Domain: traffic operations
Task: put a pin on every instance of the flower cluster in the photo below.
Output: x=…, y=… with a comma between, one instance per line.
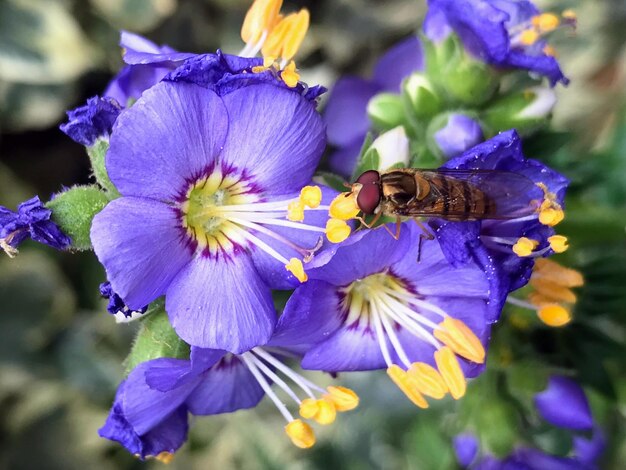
x=562, y=404
x=207, y=203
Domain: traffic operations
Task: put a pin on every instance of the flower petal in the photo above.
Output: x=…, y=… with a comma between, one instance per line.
x=228, y=386
x=343, y=160
x=346, y=112
x=564, y=404
x=465, y=448
x=434, y=275
x=375, y=251
x=166, y=140
x=276, y=135
x=311, y=315
x=145, y=407
x=166, y=436
x=398, y=63
x=221, y=304
x=131, y=237
x=351, y=348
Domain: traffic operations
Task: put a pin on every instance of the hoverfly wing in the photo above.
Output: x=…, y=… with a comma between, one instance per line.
x=478, y=194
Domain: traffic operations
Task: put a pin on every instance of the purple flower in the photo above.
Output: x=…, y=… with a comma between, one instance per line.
x=373, y=305
x=147, y=63
x=159, y=438
x=117, y=306
x=465, y=448
x=563, y=404
x=92, y=121
x=346, y=115
x=458, y=134
x=225, y=73
x=149, y=415
x=506, y=33
x=507, y=239
x=32, y=219
x=206, y=183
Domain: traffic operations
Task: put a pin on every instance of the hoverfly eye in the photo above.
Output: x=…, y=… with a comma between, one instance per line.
x=368, y=198
x=369, y=177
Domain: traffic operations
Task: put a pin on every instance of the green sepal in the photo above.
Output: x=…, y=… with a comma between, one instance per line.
x=369, y=161
x=386, y=111
x=97, y=153
x=73, y=211
x=508, y=113
x=156, y=338
x=465, y=80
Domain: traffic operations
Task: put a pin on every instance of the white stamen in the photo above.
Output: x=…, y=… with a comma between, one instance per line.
x=265, y=386
x=276, y=379
x=302, y=382
x=391, y=334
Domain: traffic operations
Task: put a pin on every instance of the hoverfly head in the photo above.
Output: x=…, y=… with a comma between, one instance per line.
x=367, y=191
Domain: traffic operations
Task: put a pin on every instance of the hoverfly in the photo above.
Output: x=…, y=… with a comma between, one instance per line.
x=455, y=195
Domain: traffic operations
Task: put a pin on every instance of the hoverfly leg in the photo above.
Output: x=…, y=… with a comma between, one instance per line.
x=396, y=235
x=372, y=223
x=425, y=235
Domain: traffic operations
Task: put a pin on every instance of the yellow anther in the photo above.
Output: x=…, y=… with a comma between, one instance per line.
x=287, y=36
x=461, y=339
x=406, y=383
x=546, y=22
x=558, y=243
x=428, y=380
x=300, y=433
x=524, y=246
x=550, y=291
x=554, y=315
x=295, y=211
x=549, y=270
x=290, y=75
x=311, y=196
x=308, y=408
x=322, y=411
x=261, y=17
x=337, y=230
x=551, y=216
x=164, y=457
x=451, y=372
x=569, y=15
x=528, y=37
x=344, y=207
x=549, y=50
x=343, y=398
x=295, y=267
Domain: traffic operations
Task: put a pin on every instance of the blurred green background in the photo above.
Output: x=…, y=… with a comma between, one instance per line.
x=61, y=353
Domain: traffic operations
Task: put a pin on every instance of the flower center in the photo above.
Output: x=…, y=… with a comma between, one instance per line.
x=389, y=306
x=225, y=213
x=203, y=216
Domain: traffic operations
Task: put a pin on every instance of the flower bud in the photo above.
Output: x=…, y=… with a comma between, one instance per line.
x=386, y=111
x=424, y=101
x=393, y=149
x=469, y=81
x=454, y=133
x=74, y=209
x=525, y=111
